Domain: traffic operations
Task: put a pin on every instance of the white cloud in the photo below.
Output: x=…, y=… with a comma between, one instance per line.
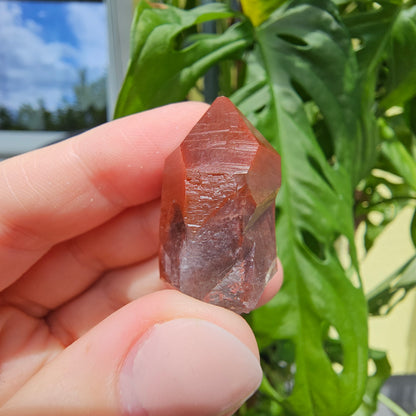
x=86, y=21
x=32, y=68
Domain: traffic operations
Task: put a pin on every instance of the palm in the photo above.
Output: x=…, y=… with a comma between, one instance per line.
x=77, y=232
x=73, y=287
x=55, y=293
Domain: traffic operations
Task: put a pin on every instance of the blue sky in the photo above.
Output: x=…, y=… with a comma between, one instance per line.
x=43, y=45
x=52, y=16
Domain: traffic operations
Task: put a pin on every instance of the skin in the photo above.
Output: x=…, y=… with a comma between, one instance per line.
x=79, y=277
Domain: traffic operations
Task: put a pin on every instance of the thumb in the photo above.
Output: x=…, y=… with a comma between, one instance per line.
x=164, y=354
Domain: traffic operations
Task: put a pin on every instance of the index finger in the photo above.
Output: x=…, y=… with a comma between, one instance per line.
x=56, y=193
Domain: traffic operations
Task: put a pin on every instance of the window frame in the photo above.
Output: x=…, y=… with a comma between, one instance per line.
x=119, y=17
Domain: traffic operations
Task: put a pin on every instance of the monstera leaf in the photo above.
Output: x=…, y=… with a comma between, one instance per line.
x=309, y=80
x=166, y=61
x=309, y=86
x=401, y=83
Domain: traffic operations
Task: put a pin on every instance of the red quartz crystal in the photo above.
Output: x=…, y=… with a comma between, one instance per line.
x=217, y=232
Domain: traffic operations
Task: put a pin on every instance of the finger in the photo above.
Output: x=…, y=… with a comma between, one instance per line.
x=273, y=286
x=69, y=268
x=165, y=354
x=113, y=291
x=58, y=192
x=25, y=345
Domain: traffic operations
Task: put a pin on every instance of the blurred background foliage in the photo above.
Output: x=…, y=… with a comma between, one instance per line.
x=86, y=110
x=332, y=85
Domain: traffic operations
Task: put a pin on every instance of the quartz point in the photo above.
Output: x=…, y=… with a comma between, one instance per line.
x=217, y=227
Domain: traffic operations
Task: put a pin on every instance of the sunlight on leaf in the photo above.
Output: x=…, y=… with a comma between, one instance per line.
x=259, y=10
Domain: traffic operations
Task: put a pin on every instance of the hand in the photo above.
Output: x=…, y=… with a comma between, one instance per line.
x=87, y=326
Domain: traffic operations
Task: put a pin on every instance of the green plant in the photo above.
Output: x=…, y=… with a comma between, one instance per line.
x=332, y=85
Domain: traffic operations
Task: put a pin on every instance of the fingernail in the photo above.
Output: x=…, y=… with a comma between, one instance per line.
x=187, y=367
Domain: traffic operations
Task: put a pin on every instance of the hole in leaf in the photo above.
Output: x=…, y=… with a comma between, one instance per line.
x=371, y=368
x=394, y=111
x=342, y=250
x=278, y=362
x=333, y=333
x=324, y=138
x=375, y=217
x=338, y=368
x=333, y=348
x=355, y=279
x=294, y=40
x=384, y=191
x=313, y=244
x=357, y=44
x=260, y=109
x=303, y=94
x=390, y=177
x=318, y=169
x=317, y=122
x=349, y=7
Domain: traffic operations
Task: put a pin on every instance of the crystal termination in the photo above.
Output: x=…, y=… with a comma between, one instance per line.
x=217, y=232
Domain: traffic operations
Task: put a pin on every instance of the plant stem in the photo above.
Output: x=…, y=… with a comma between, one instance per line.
x=390, y=404
x=267, y=389
x=395, y=198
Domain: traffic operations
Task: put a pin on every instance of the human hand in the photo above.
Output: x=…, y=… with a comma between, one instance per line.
x=87, y=326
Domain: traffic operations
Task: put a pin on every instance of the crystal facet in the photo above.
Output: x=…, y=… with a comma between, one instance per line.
x=217, y=235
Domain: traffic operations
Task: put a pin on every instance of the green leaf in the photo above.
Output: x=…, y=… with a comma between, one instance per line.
x=382, y=371
x=403, y=163
x=411, y=110
x=395, y=154
x=384, y=297
x=379, y=199
x=391, y=291
x=308, y=86
x=390, y=187
x=413, y=229
x=160, y=41
x=401, y=61
x=259, y=405
x=371, y=29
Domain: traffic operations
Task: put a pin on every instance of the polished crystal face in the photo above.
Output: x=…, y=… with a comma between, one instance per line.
x=217, y=227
